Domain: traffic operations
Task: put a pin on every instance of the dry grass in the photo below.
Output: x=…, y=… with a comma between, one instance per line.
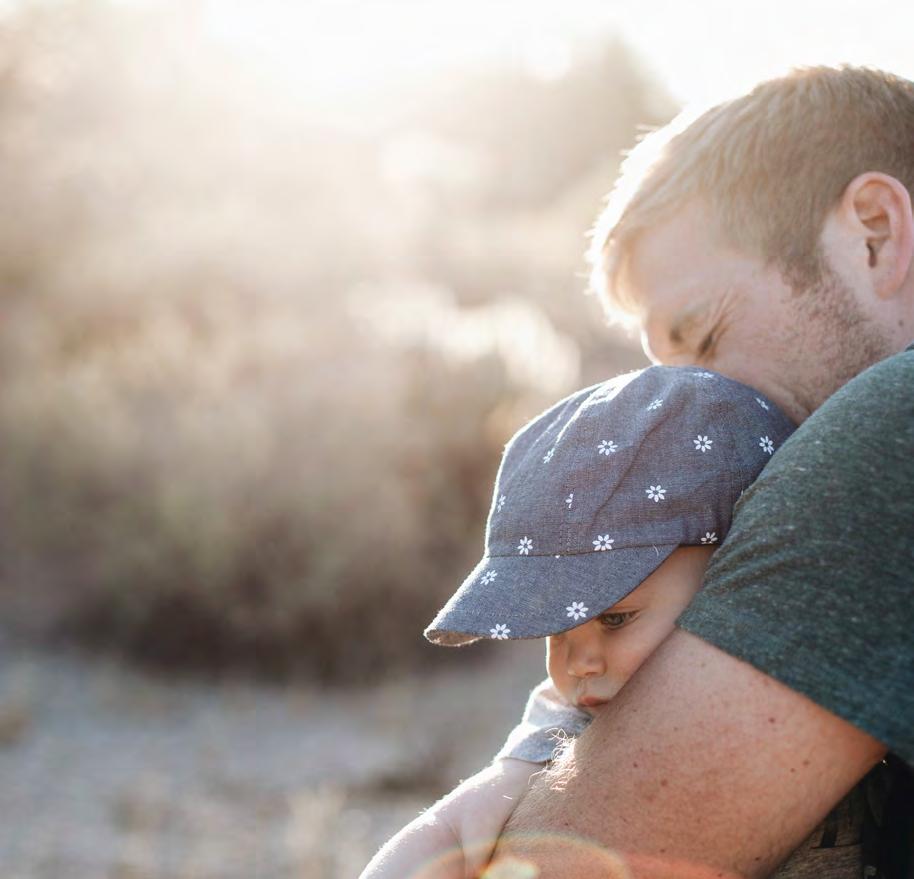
x=118, y=774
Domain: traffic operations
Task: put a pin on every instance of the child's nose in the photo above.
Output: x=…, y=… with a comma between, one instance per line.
x=585, y=656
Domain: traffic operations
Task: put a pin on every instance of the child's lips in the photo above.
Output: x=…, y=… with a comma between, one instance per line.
x=591, y=702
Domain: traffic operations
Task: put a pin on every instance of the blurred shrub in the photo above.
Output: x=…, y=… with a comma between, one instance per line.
x=265, y=495
x=256, y=371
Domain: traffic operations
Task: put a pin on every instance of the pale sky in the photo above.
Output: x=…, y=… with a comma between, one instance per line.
x=698, y=49
x=695, y=48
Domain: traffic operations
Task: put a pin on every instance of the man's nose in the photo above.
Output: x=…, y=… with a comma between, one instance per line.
x=585, y=657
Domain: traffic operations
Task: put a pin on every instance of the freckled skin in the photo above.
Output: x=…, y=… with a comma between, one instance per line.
x=695, y=814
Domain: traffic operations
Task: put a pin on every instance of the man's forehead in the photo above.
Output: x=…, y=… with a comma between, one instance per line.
x=667, y=270
x=682, y=236
x=677, y=277
x=653, y=303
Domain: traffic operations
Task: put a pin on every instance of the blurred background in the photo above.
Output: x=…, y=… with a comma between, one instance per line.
x=278, y=280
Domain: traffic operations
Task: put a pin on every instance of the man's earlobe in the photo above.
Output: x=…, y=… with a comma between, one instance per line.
x=880, y=206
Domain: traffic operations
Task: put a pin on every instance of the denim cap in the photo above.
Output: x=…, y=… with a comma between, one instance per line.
x=593, y=495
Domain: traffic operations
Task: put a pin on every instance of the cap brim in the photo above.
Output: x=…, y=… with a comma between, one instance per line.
x=536, y=596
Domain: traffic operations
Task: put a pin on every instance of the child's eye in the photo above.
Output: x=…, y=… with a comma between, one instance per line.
x=617, y=620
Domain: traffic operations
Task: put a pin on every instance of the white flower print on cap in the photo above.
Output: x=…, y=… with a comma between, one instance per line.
x=576, y=610
x=577, y=521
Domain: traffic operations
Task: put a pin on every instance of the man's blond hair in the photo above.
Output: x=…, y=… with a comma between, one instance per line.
x=769, y=166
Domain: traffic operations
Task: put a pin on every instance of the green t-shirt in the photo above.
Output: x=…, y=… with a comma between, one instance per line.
x=815, y=583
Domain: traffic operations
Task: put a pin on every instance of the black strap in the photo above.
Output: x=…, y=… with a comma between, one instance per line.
x=888, y=825
x=898, y=830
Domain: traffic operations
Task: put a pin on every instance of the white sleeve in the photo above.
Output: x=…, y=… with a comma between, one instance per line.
x=547, y=722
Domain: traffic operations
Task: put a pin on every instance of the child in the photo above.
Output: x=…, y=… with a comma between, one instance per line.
x=606, y=509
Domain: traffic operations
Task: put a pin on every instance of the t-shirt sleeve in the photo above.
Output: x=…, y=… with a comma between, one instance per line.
x=547, y=722
x=815, y=583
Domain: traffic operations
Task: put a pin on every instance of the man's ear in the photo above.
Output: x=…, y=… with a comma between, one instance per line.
x=877, y=209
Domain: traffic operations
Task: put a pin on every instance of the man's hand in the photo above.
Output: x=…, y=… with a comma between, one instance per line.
x=700, y=766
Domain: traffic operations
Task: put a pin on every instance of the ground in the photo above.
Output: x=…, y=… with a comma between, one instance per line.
x=108, y=772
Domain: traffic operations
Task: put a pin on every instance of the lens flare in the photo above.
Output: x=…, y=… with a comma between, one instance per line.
x=530, y=856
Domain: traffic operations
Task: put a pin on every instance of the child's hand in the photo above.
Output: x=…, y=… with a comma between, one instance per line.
x=455, y=838
x=478, y=809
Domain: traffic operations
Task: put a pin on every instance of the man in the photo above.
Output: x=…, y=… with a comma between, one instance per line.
x=772, y=240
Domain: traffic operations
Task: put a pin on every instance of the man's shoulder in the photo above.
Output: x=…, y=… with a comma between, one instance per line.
x=820, y=552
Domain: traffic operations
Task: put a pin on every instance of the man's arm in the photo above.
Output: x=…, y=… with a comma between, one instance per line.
x=701, y=766
x=729, y=755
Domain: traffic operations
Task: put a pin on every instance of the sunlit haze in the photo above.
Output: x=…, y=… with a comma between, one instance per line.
x=349, y=50
x=279, y=280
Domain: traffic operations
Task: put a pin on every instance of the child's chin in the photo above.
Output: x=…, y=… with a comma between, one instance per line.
x=594, y=709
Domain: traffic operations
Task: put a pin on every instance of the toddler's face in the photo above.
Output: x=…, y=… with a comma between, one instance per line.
x=589, y=664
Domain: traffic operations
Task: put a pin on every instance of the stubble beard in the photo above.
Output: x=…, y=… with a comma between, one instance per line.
x=832, y=330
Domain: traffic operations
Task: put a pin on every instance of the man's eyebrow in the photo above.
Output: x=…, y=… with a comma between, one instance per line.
x=686, y=321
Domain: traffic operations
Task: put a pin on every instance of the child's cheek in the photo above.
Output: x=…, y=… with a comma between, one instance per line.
x=556, y=668
x=630, y=656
